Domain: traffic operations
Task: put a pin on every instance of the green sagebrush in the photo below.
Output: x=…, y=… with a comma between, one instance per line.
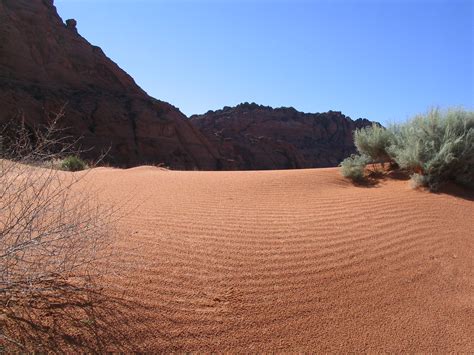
x=373, y=142
x=354, y=166
x=73, y=163
x=438, y=145
x=433, y=148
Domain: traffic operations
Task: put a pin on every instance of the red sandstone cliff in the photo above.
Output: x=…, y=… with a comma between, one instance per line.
x=251, y=136
x=45, y=63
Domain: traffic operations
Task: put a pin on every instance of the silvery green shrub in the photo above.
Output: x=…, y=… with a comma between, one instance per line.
x=353, y=167
x=434, y=148
x=438, y=145
x=373, y=142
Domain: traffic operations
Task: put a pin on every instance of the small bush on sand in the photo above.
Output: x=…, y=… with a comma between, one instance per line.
x=417, y=181
x=353, y=167
x=72, y=163
x=433, y=148
x=373, y=142
x=438, y=145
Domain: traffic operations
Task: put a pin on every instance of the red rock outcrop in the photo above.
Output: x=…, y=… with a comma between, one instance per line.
x=45, y=64
x=250, y=136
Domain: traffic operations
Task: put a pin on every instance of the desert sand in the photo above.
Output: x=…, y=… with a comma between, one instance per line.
x=296, y=260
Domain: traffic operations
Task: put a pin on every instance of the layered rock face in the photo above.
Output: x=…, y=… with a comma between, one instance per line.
x=45, y=64
x=251, y=136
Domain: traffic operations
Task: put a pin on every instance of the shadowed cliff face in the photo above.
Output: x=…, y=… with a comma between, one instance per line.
x=251, y=136
x=45, y=64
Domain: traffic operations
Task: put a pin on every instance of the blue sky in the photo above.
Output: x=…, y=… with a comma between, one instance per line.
x=383, y=60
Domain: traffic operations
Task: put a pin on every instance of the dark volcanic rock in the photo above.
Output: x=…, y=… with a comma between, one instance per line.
x=250, y=136
x=45, y=64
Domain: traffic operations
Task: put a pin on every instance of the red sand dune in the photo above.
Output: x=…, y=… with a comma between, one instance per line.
x=296, y=260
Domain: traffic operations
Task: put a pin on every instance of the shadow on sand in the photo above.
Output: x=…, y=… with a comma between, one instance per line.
x=68, y=320
x=375, y=177
x=457, y=191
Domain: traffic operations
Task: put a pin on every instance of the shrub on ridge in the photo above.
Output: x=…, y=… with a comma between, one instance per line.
x=433, y=148
x=73, y=163
x=438, y=145
x=353, y=167
x=373, y=142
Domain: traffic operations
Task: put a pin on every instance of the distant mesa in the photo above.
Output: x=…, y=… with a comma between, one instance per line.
x=46, y=64
x=252, y=136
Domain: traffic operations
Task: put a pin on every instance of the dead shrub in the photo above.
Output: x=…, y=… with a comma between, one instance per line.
x=52, y=232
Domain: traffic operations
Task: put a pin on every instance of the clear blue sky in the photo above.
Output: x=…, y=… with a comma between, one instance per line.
x=383, y=60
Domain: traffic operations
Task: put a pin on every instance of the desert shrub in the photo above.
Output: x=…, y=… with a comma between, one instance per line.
x=73, y=163
x=51, y=232
x=373, y=141
x=418, y=180
x=438, y=145
x=433, y=148
x=353, y=167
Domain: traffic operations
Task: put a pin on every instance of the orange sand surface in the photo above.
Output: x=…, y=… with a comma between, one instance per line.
x=296, y=260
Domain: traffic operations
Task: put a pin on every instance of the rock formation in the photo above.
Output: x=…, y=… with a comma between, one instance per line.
x=251, y=136
x=45, y=64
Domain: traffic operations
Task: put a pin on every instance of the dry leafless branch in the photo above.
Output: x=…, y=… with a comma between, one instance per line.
x=51, y=231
